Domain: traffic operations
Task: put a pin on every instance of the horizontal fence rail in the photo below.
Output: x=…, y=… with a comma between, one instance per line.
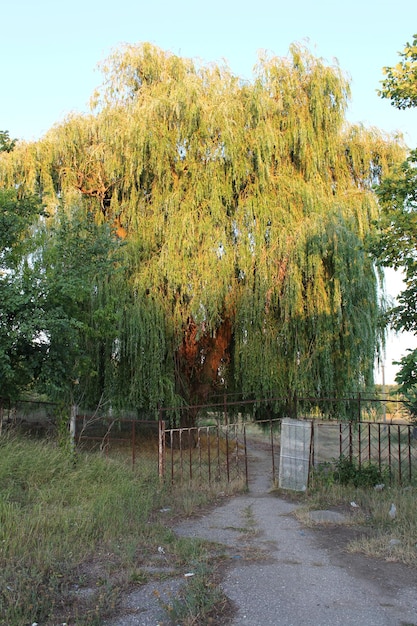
x=217, y=445
x=229, y=407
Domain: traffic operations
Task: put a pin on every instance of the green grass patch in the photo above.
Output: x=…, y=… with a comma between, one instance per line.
x=73, y=535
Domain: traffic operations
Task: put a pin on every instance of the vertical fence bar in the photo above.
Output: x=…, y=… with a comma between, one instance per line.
x=359, y=445
x=171, y=445
x=379, y=447
x=181, y=456
x=246, y=457
x=340, y=440
x=369, y=442
x=208, y=454
x=313, y=434
x=359, y=407
x=227, y=455
x=409, y=452
x=272, y=450
x=218, y=452
x=350, y=442
x=161, y=449
x=389, y=452
x=133, y=442
x=236, y=449
x=199, y=452
x=190, y=448
x=399, y=455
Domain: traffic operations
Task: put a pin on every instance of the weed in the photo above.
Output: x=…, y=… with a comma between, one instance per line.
x=346, y=471
x=250, y=526
x=199, y=601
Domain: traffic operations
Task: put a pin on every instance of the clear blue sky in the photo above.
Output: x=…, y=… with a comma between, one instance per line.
x=49, y=52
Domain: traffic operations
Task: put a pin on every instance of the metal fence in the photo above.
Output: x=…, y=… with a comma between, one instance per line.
x=209, y=454
x=141, y=440
x=225, y=450
x=218, y=447
x=31, y=416
x=390, y=446
x=221, y=452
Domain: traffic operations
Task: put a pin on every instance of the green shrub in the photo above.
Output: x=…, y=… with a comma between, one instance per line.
x=346, y=471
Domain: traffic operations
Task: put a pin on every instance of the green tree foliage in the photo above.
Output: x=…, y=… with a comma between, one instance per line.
x=400, y=84
x=21, y=349
x=244, y=208
x=6, y=144
x=394, y=244
x=54, y=313
x=78, y=259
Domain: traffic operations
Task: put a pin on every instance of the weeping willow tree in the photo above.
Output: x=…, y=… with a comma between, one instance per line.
x=244, y=208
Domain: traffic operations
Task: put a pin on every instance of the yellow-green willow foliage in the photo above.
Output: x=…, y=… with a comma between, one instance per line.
x=242, y=203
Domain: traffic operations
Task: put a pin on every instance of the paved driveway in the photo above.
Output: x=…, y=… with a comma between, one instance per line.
x=282, y=574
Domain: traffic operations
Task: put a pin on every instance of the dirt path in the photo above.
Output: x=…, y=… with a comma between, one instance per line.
x=280, y=573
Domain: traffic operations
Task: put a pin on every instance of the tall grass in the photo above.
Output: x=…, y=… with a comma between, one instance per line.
x=63, y=521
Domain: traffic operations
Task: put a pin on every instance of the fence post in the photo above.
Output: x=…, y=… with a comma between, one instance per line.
x=161, y=448
x=73, y=428
x=272, y=450
x=359, y=407
x=313, y=434
x=133, y=442
x=225, y=416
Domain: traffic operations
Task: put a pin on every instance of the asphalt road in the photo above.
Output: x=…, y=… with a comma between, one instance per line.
x=280, y=574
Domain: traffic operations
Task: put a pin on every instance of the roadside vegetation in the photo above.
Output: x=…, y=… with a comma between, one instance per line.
x=78, y=532
x=75, y=534
x=385, y=512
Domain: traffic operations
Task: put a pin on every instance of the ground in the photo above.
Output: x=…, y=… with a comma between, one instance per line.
x=386, y=574
x=275, y=570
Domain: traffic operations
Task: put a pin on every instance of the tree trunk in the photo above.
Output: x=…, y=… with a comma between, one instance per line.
x=199, y=361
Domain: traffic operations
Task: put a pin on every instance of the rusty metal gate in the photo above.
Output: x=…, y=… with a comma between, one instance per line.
x=221, y=452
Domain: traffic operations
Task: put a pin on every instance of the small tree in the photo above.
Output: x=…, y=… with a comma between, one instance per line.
x=395, y=244
x=400, y=84
x=21, y=303
x=79, y=260
x=58, y=322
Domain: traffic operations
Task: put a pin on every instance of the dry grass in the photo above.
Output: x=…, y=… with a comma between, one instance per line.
x=393, y=539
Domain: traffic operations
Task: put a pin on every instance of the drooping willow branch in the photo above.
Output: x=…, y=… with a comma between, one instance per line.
x=244, y=208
